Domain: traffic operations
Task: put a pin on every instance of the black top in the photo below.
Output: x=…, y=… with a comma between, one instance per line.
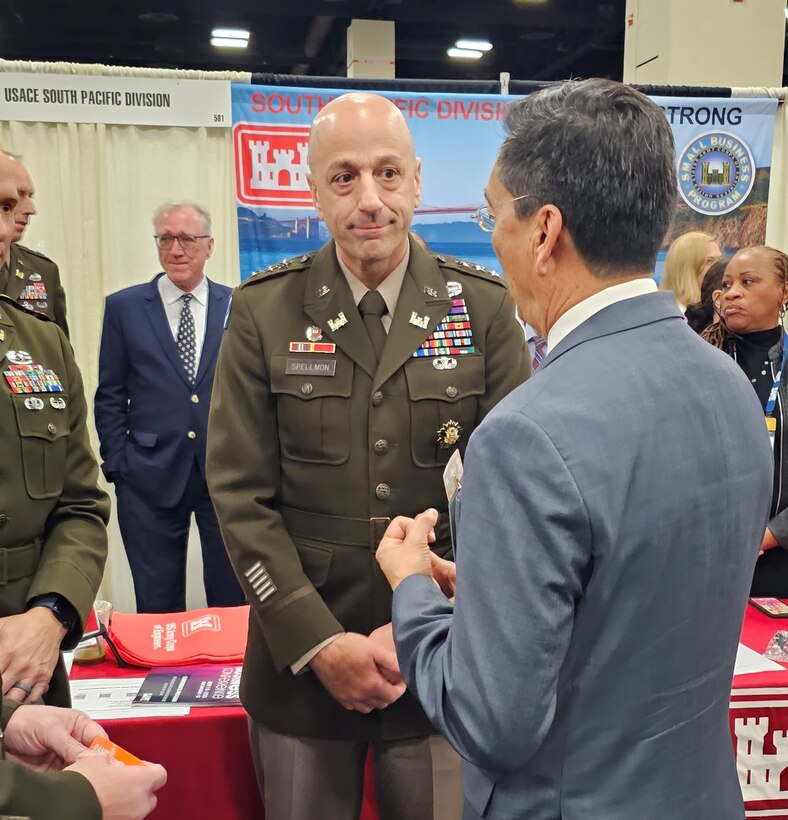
x=752, y=354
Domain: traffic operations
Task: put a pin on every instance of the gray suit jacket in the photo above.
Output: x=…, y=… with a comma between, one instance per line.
x=607, y=528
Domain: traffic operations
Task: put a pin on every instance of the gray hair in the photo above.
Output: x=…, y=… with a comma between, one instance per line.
x=159, y=213
x=603, y=154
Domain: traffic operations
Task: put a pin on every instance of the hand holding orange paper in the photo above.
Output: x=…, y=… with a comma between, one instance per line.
x=114, y=752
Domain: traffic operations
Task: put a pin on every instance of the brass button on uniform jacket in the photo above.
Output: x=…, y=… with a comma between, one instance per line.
x=313, y=447
x=53, y=515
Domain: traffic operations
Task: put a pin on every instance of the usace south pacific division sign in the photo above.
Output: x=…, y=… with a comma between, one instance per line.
x=271, y=165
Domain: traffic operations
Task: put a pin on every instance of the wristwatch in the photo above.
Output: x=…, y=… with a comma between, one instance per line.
x=61, y=608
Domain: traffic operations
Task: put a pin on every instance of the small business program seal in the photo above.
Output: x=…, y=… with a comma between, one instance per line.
x=716, y=173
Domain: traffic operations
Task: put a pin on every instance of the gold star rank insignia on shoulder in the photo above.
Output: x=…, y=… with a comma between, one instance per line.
x=449, y=434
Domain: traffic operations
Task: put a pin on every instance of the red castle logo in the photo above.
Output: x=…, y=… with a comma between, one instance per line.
x=271, y=165
x=207, y=623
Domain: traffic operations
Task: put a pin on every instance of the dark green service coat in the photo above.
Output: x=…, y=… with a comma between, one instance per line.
x=30, y=274
x=305, y=470
x=53, y=516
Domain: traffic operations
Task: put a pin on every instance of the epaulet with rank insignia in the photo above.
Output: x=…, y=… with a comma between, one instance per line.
x=470, y=268
x=7, y=300
x=287, y=266
x=34, y=253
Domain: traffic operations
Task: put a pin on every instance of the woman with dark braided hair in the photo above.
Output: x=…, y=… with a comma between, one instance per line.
x=752, y=306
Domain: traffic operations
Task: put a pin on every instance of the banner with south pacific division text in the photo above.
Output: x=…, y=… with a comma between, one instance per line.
x=723, y=162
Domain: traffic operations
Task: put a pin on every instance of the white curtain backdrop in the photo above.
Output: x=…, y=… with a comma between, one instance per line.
x=96, y=189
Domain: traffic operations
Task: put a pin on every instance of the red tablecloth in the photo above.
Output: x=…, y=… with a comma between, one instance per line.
x=211, y=775
x=759, y=726
x=206, y=754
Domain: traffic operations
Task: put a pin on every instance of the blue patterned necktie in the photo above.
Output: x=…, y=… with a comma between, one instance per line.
x=187, y=337
x=540, y=351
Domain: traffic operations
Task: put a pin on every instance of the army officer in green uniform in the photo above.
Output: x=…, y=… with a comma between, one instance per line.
x=346, y=380
x=52, y=550
x=27, y=276
x=53, y=516
x=53, y=540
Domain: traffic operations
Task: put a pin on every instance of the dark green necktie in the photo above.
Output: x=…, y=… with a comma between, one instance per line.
x=4, y=271
x=372, y=308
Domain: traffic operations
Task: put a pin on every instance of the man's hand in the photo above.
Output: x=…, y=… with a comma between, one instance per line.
x=124, y=792
x=384, y=637
x=29, y=649
x=404, y=549
x=47, y=739
x=350, y=668
x=769, y=542
x=445, y=574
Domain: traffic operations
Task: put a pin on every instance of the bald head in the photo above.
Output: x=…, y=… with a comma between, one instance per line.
x=365, y=180
x=357, y=114
x=14, y=172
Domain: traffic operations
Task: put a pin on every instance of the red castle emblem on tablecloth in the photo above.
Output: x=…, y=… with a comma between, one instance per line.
x=271, y=165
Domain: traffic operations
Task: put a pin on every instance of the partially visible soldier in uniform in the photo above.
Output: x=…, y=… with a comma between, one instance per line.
x=27, y=276
x=47, y=772
x=48, y=496
x=53, y=516
x=346, y=380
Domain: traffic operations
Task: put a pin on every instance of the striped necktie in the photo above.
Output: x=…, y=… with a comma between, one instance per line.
x=540, y=351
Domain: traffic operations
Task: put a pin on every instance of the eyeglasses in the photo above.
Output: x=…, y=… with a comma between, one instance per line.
x=187, y=241
x=485, y=220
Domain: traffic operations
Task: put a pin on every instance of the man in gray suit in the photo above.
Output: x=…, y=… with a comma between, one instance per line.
x=611, y=508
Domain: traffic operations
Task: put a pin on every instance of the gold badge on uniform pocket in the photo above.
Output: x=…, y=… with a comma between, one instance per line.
x=449, y=434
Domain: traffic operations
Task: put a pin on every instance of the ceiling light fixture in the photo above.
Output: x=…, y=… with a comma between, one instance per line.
x=158, y=17
x=228, y=42
x=232, y=33
x=464, y=53
x=474, y=45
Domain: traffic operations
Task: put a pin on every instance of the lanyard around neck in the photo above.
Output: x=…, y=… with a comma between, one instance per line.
x=770, y=405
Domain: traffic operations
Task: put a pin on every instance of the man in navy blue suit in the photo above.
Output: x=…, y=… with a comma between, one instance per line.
x=158, y=352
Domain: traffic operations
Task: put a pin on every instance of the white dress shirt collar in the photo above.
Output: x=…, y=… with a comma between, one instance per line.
x=171, y=293
x=389, y=288
x=530, y=332
x=582, y=311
